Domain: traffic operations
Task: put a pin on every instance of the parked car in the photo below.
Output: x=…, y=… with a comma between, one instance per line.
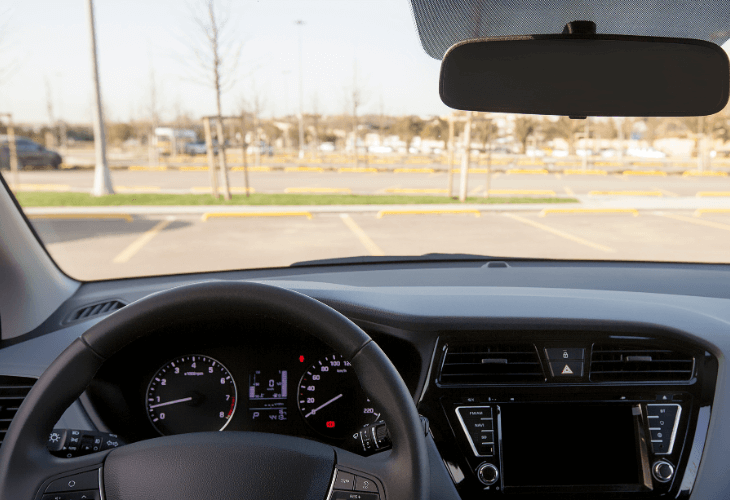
x=30, y=154
x=196, y=148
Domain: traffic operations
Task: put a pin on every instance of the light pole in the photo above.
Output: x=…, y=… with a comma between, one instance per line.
x=300, y=23
x=102, y=178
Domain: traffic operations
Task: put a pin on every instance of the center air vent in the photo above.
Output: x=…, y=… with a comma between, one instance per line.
x=626, y=363
x=12, y=392
x=91, y=310
x=491, y=364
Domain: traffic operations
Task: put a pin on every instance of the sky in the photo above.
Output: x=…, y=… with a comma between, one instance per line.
x=375, y=40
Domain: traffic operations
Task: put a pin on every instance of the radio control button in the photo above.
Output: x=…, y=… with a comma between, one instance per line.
x=566, y=369
x=475, y=412
x=487, y=474
x=558, y=353
x=662, y=471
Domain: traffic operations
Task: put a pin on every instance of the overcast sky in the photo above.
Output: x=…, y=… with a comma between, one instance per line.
x=50, y=39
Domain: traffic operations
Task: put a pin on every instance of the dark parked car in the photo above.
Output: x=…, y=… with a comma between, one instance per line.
x=30, y=154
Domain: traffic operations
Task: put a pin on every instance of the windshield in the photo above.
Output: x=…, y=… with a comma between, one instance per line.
x=239, y=135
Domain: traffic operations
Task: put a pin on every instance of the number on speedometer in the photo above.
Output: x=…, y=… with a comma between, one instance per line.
x=331, y=400
x=191, y=394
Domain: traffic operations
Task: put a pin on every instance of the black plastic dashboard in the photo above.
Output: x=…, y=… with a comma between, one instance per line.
x=417, y=312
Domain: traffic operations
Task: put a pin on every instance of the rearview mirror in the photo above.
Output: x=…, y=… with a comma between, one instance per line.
x=586, y=75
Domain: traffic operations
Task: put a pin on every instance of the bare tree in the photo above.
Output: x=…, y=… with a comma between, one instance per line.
x=153, y=110
x=255, y=105
x=216, y=54
x=354, y=98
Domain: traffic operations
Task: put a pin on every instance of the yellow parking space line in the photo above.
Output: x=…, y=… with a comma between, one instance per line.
x=251, y=169
x=193, y=169
x=655, y=173
x=368, y=243
x=226, y=215
x=303, y=169
x=664, y=191
x=473, y=192
x=568, y=191
x=709, y=194
x=697, y=173
x=647, y=164
x=101, y=216
x=413, y=171
x=242, y=190
x=530, y=163
x=146, y=168
x=477, y=171
x=625, y=193
x=318, y=190
x=137, y=188
x=701, y=211
x=357, y=170
x=542, y=192
x=43, y=187
x=562, y=234
x=137, y=244
x=699, y=222
x=577, y=171
x=416, y=191
x=547, y=211
x=435, y=211
x=527, y=171
x=608, y=164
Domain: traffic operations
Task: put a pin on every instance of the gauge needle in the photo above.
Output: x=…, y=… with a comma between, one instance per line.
x=319, y=408
x=181, y=401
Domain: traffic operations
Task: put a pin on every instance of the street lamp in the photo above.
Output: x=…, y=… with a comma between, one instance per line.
x=300, y=23
x=102, y=177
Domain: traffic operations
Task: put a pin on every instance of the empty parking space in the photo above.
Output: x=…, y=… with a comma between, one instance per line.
x=108, y=248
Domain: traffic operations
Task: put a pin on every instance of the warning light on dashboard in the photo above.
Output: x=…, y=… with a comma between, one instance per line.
x=330, y=424
x=301, y=359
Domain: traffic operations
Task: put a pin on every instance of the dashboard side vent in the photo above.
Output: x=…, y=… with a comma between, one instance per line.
x=632, y=363
x=96, y=309
x=12, y=393
x=503, y=363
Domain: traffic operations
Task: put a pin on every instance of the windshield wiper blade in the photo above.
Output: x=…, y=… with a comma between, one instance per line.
x=387, y=259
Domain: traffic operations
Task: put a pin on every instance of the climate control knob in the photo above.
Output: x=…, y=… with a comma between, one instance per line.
x=662, y=471
x=487, y=474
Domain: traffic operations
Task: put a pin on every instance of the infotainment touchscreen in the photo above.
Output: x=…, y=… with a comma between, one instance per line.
x=559, y=444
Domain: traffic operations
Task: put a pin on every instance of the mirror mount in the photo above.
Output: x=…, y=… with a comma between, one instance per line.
x=580, y=28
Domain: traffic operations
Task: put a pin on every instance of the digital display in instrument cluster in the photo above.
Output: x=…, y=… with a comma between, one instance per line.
x=267, y=395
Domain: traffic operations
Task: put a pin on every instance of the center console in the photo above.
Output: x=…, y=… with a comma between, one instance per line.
x=569, y=414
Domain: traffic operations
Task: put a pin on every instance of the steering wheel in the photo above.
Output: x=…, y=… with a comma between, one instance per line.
x=221, y=465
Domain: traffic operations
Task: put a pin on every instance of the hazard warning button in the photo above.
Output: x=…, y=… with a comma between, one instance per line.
x=567, y=368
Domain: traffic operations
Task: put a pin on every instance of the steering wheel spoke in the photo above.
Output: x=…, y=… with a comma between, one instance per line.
x=74, y=479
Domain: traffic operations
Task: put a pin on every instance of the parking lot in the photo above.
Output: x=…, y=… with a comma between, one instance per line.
x=404, y=182
x=149, y=245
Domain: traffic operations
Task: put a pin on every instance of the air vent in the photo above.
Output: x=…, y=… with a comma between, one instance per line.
x=491, y=364
x=627, y=363
x=12, y=392
x=97, y=309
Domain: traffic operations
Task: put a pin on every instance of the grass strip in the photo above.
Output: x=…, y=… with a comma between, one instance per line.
x=45, y=199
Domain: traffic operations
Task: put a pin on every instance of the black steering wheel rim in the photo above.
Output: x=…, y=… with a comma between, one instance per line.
x=25, y=463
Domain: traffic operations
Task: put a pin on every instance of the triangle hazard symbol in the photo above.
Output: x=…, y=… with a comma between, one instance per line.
x=567, y=371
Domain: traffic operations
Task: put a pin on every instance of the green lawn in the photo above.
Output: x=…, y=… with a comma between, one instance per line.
x=37, y=199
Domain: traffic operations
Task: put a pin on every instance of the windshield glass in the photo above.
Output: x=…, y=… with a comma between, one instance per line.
x=238, y=135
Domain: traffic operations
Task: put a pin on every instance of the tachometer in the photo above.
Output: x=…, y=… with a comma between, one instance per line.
x=331, y=400
x=191, y=394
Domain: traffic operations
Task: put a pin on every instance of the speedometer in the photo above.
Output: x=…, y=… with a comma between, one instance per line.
x=191, y=394
x=331, y=400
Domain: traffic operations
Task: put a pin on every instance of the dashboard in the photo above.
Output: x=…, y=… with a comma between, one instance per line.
x=602, y=385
